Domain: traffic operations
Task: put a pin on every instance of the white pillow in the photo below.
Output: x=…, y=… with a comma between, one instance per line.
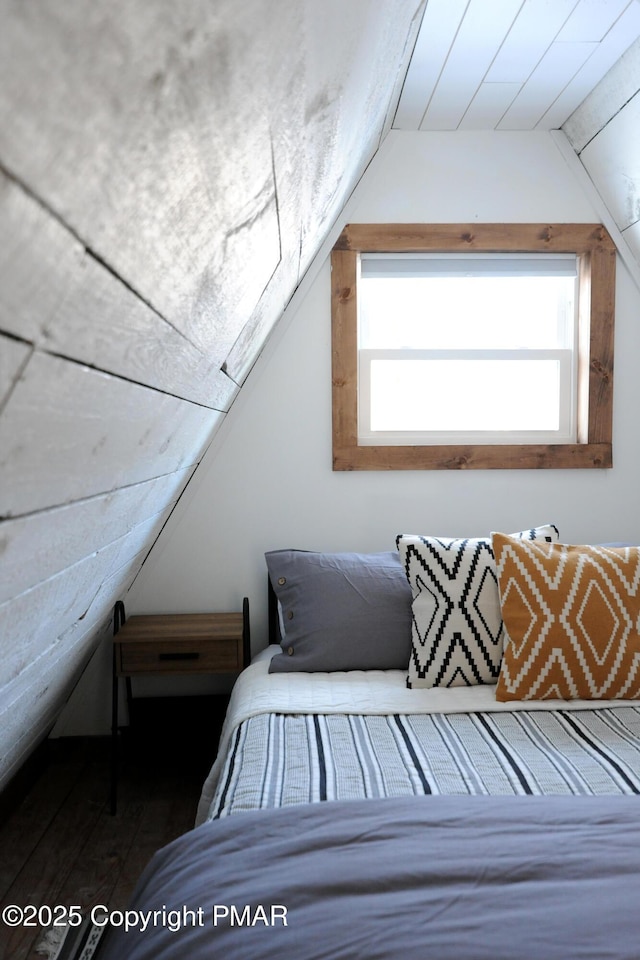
x=457, y=631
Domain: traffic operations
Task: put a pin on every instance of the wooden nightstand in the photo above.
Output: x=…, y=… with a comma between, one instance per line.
x=184, y=643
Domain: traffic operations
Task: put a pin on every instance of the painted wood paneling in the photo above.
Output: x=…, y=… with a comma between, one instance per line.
x=557, y=68
x=67, y=597
x=185, y=160
x=620, y=239
x=612, y=159
x=30, y=707
x=13, y=358
x=69, y=432
x=603, y=59
x=329, y=141
x=262, y=321
x=476, y=44
x=439, y=27
x=28, y=719
x=50, y=285
x=591, y=20
x=167, y=172
x=292, y=117
x=555, y=50
x=31, y=702
x=604, y=133
x=489, y=105
x=534, y=30
x=632, y=236
x=39, y=546
x=312, y=184
x=37, y=680
x=171, y=180
x=608, y=97
x=86, y=634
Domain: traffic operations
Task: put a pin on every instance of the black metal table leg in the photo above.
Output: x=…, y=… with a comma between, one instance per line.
x=118, y=620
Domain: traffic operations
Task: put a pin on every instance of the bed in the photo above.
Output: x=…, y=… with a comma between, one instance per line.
x=438, y=756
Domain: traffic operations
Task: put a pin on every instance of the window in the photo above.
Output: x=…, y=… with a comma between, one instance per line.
x=443, y=340
x=486, y=346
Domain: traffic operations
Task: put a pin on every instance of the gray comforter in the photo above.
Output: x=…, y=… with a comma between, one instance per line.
x=465, y=878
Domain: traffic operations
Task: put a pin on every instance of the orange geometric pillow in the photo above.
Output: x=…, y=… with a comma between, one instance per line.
x=572, y=616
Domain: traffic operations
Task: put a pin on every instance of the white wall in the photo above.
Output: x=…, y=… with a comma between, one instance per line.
x=267, y=480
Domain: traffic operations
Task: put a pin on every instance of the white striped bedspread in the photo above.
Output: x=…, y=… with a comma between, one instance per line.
x=277, y=759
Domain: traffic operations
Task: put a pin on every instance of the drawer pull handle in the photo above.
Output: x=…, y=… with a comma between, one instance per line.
x=178, y=656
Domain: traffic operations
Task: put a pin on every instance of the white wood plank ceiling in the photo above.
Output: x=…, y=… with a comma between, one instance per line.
x=511, y=64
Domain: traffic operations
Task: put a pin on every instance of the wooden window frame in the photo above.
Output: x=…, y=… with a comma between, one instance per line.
x=596, y=254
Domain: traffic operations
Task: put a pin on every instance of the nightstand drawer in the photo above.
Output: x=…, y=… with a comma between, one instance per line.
x=172, y=643
x=201, y=656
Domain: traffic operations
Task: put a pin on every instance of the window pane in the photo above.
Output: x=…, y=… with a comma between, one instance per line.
x=474, y=312
x=465, y=395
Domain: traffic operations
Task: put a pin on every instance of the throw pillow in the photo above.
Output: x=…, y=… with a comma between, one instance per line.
x=572, y=615
x=340, y=611
x=457, y=631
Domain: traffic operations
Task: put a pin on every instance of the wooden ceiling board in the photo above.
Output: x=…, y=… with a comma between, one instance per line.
x=557, y=50
x=315, y=142
x=591, y=20
x=489, y=105
x=13, y=357
x=290, y=114
x=604, y=58
x=39, y=546
x=259, y=325
x=333, y=137
x=150, y=148
x=533, y=31
x=556, y=69
x=50, y=284
x=440, y=24
x=66, y=597
x=69, y=432
x=172, y=181
x=619, y=85
x=476, y=44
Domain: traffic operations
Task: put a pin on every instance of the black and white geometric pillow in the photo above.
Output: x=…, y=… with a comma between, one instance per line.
x=457, y=631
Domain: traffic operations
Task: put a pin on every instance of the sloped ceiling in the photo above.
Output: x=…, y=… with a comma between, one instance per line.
x=511, y=64
x=167, y=172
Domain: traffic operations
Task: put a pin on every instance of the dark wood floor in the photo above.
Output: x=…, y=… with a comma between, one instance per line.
x=61, y=845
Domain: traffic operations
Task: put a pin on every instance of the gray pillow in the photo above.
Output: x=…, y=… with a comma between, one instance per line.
x=341, y=611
